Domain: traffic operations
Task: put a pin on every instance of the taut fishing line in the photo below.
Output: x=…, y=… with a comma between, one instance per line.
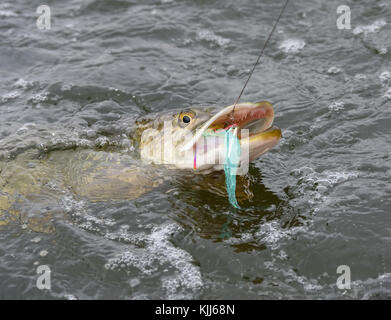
x=231, y=141
x=259, y=58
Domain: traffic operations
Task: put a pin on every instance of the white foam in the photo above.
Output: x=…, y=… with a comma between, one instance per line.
x=313, y=186
x=36, y=239
x=334, y=70
x=138, y=239
x=72, y=206
x=330, y=177
x=10, y=95
x=372, y=287
x=382, y=50
x=360, y=76
x=271, y=233
x=387, y=95
x=385, y=76
x=371, y=28
x=23, y=84
x=85, y=220
x=26, y=127
x=308, y=284
x=159, y=253
x=7, y=13
x=292, y=46
x=211, y=37
x=38, y=98
x=336, y=106
x=102, y=141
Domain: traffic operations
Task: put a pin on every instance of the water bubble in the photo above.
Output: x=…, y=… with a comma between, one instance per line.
x=36, y=239
x=336, y=106
x=334, y=70
x=43, y=253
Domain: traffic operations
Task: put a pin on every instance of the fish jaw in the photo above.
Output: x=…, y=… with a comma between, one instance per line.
x=258, y=144
x=253, y=123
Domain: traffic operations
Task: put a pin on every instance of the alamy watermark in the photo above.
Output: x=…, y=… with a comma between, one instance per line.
x=44, y=278
x=343, y=20
x=198, y=150
x=44, y=18
x=344, y=281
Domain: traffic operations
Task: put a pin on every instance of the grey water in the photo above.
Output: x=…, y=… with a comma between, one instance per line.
x=319, y=200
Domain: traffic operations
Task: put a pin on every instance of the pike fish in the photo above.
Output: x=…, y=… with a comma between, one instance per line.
x=179, y=141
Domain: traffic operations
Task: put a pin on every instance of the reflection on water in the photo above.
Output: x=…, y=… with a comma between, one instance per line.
x=259, y=205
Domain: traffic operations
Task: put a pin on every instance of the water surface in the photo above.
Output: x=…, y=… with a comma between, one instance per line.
x=319, y=199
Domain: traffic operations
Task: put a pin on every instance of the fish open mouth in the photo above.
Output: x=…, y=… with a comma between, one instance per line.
x=257, y=118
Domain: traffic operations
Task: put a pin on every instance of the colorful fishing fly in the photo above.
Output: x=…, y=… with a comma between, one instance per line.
x=231, y=159
x=231, y=163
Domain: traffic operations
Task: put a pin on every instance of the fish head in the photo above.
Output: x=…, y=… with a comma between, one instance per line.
x=193, y=139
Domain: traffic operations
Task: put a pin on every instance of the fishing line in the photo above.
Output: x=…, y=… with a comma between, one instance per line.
x=232, y=143
x=259, y=57
x=230, y=133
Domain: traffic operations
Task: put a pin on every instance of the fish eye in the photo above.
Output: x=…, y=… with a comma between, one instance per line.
x=185, y=118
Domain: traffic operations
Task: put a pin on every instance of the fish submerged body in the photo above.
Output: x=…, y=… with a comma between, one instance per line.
x=188, y=140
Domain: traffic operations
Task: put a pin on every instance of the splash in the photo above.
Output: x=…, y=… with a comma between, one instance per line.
x=292, y=46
